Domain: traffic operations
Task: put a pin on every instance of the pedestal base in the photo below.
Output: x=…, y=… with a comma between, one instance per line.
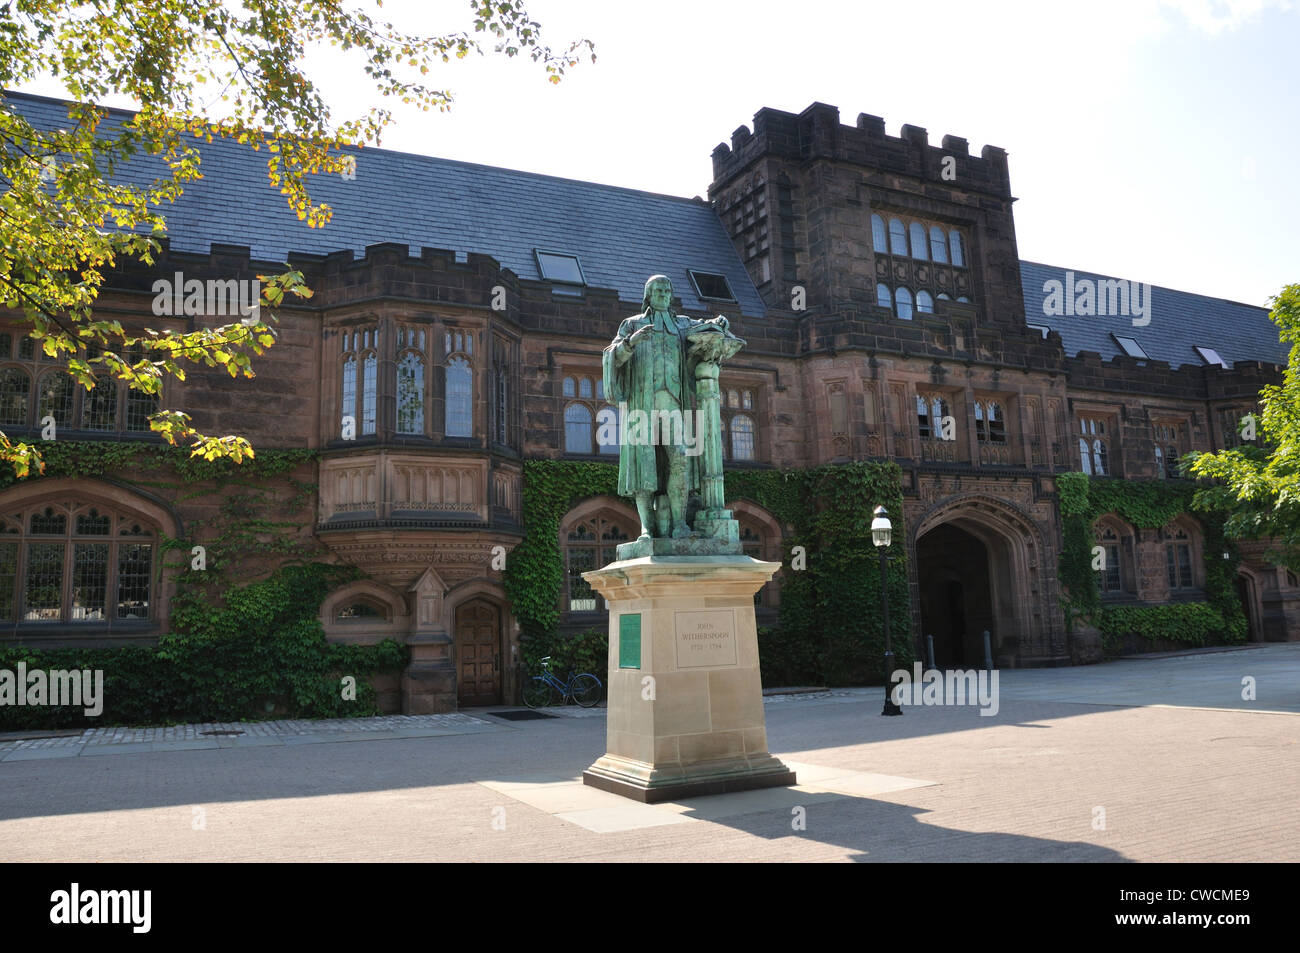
x=629, y=778
x=685, y=692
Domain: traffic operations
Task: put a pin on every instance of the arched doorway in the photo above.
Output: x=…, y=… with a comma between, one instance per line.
x=478, y=653
x=956, y=603
x=980, y=566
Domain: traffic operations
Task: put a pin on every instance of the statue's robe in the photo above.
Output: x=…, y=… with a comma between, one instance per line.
x=631, y=377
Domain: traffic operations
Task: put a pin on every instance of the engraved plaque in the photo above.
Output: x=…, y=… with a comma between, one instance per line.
x=629, y=640
x=706, y=638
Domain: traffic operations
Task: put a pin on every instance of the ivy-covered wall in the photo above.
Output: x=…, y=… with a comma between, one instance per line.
x=831, y=625
x=239, y=643
x=1149, y=506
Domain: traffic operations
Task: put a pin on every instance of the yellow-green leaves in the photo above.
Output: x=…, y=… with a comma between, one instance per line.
x=200, y=70
x=1259, y=480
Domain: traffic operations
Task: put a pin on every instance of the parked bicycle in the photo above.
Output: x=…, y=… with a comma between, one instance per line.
x=542, y=691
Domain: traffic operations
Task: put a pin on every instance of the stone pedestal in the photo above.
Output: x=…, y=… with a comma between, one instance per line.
x=429, y=682
x=685, y=698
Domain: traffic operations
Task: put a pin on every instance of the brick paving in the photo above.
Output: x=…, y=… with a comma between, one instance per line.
x=1046, y=779
x=215, y=734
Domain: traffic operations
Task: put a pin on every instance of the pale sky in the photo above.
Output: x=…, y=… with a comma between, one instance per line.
x=1154, y=140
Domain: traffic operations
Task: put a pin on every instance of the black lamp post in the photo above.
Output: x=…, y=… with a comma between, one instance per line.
x=881, y=532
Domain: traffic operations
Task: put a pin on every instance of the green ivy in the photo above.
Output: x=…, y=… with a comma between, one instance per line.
x=236, y=649
x=833, y=605
x=588, y=651
x=1190, y=622
x=264, y=652
x=1145, y=505
x=534, y=574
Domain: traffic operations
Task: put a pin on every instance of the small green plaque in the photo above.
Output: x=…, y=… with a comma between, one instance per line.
x=629, y=640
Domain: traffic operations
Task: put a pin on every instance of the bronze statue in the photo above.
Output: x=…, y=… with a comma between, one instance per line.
x=661, y=372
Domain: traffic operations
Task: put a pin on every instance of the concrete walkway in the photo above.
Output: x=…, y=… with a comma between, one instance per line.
x=1132, y=760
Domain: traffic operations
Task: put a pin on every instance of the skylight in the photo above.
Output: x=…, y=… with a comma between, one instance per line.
x=1131, y=347
x=709, y=285
x=557, y=266
x=1210, y=356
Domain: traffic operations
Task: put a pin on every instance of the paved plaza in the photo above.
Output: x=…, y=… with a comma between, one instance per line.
x=1155, y=759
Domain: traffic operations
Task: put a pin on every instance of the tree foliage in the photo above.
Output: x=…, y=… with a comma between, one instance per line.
x=76, y=204
x=1258, y=483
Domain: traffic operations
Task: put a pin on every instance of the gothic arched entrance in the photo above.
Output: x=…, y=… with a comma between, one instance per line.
x=953, y=570
x=979, y=566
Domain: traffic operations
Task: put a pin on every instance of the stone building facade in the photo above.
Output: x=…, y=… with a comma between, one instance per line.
x=455, y=332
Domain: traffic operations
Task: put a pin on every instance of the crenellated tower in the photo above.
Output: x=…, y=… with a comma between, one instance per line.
x=848, y=213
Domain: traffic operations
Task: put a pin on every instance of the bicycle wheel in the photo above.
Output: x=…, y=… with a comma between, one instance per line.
x=586, y=690
x=538, y=693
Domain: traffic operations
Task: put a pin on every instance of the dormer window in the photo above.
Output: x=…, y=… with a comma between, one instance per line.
x=711, y=286
x=559, y=267
x=1210, y=356
x=1131, y=347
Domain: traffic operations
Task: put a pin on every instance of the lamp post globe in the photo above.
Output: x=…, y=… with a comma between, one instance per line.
x=881, y=529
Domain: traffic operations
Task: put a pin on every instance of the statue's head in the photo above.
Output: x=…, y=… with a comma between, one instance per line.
x=658, y=293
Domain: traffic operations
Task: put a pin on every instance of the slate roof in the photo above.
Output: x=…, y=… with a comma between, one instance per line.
x=621, y=236
x=1179, y=320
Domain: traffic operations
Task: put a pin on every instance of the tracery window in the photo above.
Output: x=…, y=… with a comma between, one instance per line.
x=70, y=562
x=920, y=247
x=879, y=239
x=1094, y=449
x=739, y=436
x=742, y=437
x=459, y=398
x=990, y=422
x=1166, y=450
x=903, y=299
x=938, y=245
x=1109, y=576
x=360, y=381
x=1178, y=558
x=919, y=240
x=588, y=545
x=930, y=411
x=410, y=380
x=955, y=246
x=590, y=424
x=577, y=429
x=35, y=387
x=897, y=238
x=1231, y=420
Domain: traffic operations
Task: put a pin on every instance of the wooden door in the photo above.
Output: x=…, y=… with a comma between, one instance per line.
x=478, y=654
